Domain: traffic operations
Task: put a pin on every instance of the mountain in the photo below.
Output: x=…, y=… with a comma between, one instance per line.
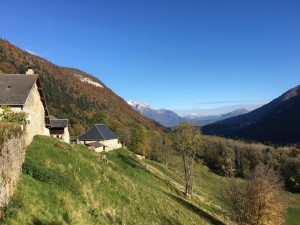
x=276, y=122
x=164, y=117
x=169, y=118
x=72, y=93
x=236, y=112
x=205, y=120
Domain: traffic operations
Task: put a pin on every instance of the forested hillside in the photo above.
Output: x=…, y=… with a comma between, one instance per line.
x=73, y=94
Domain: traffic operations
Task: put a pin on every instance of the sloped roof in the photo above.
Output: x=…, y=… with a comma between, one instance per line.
x=15, y=88
x=98, y=132
x=58, y=123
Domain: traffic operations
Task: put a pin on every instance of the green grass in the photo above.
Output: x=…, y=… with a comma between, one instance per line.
x=62, y=184
x=293, y=213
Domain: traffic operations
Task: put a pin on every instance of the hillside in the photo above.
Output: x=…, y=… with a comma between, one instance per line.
x=275, y=122
x=72, y=93
x=62, y=184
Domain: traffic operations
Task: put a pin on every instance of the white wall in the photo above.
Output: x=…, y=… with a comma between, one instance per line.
x=66, y=136
x=110, y=144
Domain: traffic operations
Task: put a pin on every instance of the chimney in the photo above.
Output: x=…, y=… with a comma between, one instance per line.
x=29, y=71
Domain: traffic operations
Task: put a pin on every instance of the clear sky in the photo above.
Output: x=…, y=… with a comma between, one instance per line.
x=174, y=54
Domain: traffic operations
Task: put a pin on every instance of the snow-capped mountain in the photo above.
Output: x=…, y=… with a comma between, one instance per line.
x=165, y=117
x=169, y=118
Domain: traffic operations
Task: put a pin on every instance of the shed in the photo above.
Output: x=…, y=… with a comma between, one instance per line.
x=100, y=137
x=59, y=128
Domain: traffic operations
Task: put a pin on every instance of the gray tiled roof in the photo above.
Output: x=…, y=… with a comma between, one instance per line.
x=15, y=88
x=58, y=123
x=98, y=132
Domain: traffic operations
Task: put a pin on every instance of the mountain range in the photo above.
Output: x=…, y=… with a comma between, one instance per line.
x=85, y=100
x=204, y=120
x=276, y=122
x=169, y=118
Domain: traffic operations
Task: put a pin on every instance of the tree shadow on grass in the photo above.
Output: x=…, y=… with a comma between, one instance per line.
x=196, y=210
x=37, y=221
x=130, y=161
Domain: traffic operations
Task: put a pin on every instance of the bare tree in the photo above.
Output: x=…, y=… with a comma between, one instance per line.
x=258, y=200
x=186, y=140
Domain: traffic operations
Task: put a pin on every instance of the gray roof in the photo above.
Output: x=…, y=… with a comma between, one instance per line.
x=98, y=132
x=15, y=88
x=58, y=123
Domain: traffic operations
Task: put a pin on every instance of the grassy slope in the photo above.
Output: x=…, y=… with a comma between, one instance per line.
x=61, y=184
x=293, y=213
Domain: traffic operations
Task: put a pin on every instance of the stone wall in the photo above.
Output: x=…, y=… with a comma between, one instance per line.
x=109, y=144
x=66, y=136
x=12, y=155
x=36, y=116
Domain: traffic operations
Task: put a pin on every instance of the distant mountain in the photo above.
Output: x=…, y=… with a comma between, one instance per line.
x=276, y=122
x=72, y=93
x=201, y=120
x=236, y=112
x=164, y=117
x=169, y=118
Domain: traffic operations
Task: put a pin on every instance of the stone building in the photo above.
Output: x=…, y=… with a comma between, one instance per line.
x=100, y=138
x=59, y=128
x=23, y=93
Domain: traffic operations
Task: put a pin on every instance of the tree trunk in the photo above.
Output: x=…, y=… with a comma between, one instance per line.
x=187, y=175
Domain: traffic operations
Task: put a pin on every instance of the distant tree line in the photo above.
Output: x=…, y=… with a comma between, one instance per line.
x=237, y=158
x=152, y=144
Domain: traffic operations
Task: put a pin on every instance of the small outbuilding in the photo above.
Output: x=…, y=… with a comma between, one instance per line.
x=100, y=138
x=59, y=128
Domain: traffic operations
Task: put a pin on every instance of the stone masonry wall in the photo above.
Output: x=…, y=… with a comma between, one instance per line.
x=36, y=112
x=12, y=155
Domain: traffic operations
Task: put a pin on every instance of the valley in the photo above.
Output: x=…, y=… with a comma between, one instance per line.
x=71, y=184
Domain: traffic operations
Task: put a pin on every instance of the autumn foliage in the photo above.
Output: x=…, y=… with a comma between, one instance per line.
x=68, y=97
x=258, y=200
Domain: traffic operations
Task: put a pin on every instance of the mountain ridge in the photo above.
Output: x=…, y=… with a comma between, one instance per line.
x=251, y=125
x=164, y=117
x=169, y=118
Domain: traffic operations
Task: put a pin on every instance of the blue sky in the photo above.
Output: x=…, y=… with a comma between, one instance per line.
x=175, y=54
